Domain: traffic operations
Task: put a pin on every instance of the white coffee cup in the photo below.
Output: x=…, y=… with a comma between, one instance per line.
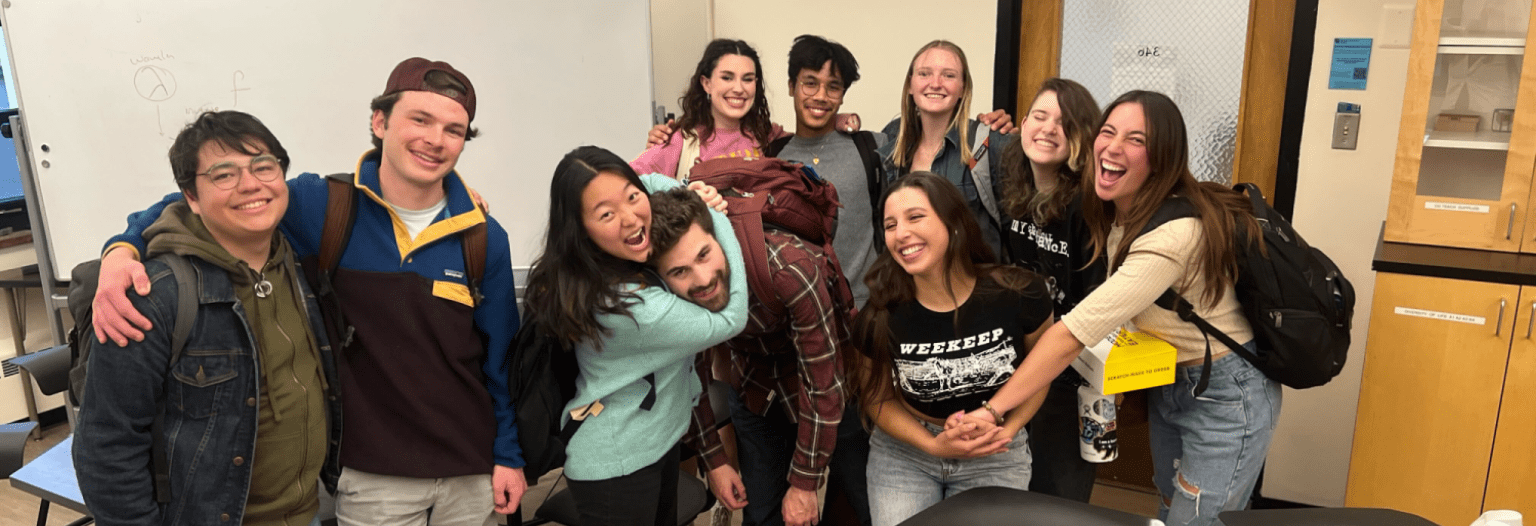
x=1499, y=518
x=1097, y=437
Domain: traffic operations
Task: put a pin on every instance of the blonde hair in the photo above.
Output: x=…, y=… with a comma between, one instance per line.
x=911, y=130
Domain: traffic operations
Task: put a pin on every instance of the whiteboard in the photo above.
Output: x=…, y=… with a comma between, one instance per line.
x=105, y=85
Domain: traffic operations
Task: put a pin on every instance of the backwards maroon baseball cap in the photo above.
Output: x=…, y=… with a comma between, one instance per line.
x=411, y=75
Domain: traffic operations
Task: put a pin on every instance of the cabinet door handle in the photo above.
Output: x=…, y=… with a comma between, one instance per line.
x=1531, y=322
x=1509, y=230
x=1500, y=325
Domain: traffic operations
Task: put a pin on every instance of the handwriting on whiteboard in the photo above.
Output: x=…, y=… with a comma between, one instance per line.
x=154, y=83
x=150, y=58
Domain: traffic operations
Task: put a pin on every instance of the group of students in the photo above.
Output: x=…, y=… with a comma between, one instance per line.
x=980, y=267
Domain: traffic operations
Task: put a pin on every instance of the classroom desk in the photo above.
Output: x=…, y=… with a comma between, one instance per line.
x=52, y=476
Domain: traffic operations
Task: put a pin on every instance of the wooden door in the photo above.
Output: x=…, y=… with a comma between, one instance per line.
x=1512, y=472
x=1429, y=399
x=1256, y=157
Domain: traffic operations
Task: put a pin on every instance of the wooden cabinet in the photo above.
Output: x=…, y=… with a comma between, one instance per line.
x=1446, y=426
x=1458, y=182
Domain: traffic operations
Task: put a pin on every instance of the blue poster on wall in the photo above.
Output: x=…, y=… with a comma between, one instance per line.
x=1351, y=63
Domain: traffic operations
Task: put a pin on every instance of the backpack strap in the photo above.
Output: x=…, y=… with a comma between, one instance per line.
x=874, y=177
x=1171, y=300
x=186, y=313
x=340, y=214
x=186, y=302
x=474, y=242
x=692, y=145
x=981, y=171
x=747, y=220
x=1176, y=207
x=777, y=146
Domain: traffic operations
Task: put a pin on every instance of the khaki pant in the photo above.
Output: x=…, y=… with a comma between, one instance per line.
x=367, y=499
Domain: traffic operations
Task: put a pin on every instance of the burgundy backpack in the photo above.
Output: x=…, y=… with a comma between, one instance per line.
x=767, y=192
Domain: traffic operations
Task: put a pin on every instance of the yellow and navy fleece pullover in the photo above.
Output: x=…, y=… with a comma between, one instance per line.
x=424, y=381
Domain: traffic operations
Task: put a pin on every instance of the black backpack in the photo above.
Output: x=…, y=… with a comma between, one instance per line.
x=1299, y=304
x=82, y=290
x=542, y=378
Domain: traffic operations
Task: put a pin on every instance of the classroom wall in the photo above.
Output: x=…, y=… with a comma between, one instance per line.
x=881, y=36
x=1341, y=201
x=679, y=31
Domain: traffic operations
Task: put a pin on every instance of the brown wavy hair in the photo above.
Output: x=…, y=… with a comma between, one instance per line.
x=698, y=118
x=1220, y=210
x=1079, y=121
x=871, y=356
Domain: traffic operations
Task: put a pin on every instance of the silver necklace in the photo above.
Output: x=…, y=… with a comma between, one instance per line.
x=263, y=287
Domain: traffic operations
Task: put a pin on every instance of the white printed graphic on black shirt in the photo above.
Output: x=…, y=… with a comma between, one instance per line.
x=936, y=371
x=1047, y=243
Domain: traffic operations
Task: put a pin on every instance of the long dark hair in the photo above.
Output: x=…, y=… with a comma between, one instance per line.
x=573, y=280
x=698, y=116
x=870, y=366
x=1079, y=121
x=1220, y=209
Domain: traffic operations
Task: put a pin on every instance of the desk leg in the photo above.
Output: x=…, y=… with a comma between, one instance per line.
x=42, y=513
x=17, y=304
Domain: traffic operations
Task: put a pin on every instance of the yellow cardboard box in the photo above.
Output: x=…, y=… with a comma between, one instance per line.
x=1127, y=360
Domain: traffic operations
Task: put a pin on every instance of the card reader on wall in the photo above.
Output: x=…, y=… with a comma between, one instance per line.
x=1346, y=126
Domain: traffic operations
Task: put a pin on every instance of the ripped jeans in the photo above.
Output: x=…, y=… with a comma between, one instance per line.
x=1207, y=451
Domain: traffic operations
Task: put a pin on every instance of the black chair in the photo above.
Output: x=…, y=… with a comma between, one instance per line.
x=1323, y=517
x=693, y=497
x=995, y=505
x=13, y=445
x=49, y=368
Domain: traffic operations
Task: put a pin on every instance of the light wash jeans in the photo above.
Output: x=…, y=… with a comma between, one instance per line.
x=1215, y=442
x=903, y=480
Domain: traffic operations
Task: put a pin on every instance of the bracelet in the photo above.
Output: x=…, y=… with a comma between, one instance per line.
x=986, y=404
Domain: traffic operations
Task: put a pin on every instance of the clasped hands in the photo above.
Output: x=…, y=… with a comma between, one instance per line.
x=971, y=435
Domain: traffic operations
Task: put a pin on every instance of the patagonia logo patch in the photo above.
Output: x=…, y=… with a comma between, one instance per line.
x=453, y=273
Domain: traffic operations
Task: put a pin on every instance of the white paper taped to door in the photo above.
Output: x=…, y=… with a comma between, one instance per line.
x=1455, y=207
x=1447, y=316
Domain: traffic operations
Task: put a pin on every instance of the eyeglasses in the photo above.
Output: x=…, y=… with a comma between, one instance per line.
x=226, y=175
x=809, y=87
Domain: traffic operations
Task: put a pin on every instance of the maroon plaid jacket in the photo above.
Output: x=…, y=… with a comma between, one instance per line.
x=788, y=362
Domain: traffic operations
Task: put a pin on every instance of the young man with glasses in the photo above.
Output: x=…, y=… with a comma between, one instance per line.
x=429, y=421
x=793, y=430
x=247, y=405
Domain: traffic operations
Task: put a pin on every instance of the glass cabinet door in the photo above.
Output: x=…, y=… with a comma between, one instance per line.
x=1458, y=181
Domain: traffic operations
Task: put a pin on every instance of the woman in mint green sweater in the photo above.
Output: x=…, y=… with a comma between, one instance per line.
x=634, y=340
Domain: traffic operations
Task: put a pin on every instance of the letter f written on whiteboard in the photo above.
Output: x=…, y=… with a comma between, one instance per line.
x=236, y=89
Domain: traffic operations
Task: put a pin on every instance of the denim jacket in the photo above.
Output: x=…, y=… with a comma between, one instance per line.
x=948, y=163
x=211, y=395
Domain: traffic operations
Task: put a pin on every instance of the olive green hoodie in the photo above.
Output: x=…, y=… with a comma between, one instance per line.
x=291, y=431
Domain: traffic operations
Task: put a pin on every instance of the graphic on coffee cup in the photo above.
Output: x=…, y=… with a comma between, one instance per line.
x=1098, y=440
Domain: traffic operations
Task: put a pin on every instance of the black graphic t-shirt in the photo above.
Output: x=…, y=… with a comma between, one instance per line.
x=1057, y=251
x=943, y=367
